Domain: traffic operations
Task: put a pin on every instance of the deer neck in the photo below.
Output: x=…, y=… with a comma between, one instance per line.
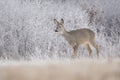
x=64, y=32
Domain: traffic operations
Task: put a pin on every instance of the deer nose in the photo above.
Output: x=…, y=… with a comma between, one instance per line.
x=56, y=31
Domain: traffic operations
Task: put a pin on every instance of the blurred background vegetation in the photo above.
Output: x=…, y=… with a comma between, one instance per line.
x=27, y=28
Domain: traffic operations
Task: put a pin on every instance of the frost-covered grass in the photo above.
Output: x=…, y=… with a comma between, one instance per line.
x=31, y=50
x=27, y=27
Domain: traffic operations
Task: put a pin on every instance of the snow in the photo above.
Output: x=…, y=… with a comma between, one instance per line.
x=27, y=28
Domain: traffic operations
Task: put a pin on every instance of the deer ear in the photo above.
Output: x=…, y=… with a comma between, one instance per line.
x=62, y=20
x=55, y=21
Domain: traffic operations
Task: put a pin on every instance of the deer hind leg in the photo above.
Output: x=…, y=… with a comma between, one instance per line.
x=89, y=49
x=93, y=43
x=75, y=48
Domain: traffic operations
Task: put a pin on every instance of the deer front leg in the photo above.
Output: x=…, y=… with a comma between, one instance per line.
x=75, y=48
x=89, y=49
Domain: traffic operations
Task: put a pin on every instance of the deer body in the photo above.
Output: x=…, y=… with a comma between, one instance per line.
x=80, y=36
x=77, y=37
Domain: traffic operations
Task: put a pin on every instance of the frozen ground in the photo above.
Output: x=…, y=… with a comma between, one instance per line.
x=77, y=69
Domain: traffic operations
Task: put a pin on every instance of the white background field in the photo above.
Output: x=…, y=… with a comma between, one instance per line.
x=27, y=27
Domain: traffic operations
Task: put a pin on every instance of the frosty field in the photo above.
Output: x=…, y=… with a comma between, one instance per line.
x=76, y=69
x=30, y=49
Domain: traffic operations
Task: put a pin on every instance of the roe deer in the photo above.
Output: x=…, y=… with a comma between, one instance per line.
x=77, y=37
